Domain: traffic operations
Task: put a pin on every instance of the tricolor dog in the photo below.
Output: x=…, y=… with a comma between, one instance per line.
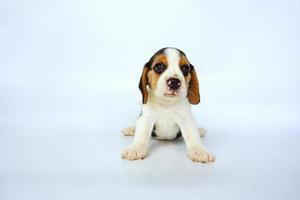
x=169, y=85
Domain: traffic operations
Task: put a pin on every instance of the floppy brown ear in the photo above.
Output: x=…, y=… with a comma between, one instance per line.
x=193, y=91
x=143, y=83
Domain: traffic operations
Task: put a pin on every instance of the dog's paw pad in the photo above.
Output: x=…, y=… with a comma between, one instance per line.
x=200, y=155
x=128, y=131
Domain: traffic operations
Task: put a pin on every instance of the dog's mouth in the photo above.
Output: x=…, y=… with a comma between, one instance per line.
x=172, y=93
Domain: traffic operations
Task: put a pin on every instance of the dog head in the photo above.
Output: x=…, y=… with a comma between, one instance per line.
x=169, y=75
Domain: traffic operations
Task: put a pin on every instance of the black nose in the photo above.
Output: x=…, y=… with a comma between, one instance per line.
x=173, y=83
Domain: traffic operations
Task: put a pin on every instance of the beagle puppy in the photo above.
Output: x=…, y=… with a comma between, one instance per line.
x=168, y=85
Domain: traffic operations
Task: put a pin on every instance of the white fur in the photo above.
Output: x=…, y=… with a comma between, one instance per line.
x=169, y=114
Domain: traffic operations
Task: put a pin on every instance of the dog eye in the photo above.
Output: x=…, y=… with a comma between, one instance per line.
x=159, y=68
x=185, y=70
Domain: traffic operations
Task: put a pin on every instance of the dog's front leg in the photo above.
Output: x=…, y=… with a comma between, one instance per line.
x=138, y=149
x=196, y=150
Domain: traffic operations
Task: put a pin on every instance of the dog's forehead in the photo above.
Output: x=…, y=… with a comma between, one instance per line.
x=173, y=56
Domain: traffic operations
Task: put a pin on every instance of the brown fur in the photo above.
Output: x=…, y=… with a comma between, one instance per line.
x=193, y=90
x=183, y=61
x=143, y=83
x=153, y=78
x=149, y=77
x=161, y=58
x=152, y=75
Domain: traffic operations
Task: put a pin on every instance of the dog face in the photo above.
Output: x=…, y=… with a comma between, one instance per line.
x=170, y=76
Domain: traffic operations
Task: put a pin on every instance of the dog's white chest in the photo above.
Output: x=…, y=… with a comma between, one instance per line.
x=165, y=127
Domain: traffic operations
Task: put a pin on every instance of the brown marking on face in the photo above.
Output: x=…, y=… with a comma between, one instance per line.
x=160, y=58
x=191, y=81
x=184, y=61
x=187, y=80
x=152, y=75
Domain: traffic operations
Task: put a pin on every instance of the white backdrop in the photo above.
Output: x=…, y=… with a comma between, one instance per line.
x=69, y=72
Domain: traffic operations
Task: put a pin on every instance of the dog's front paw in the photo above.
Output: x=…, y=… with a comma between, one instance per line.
x=134, y=153
x=198, y=154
